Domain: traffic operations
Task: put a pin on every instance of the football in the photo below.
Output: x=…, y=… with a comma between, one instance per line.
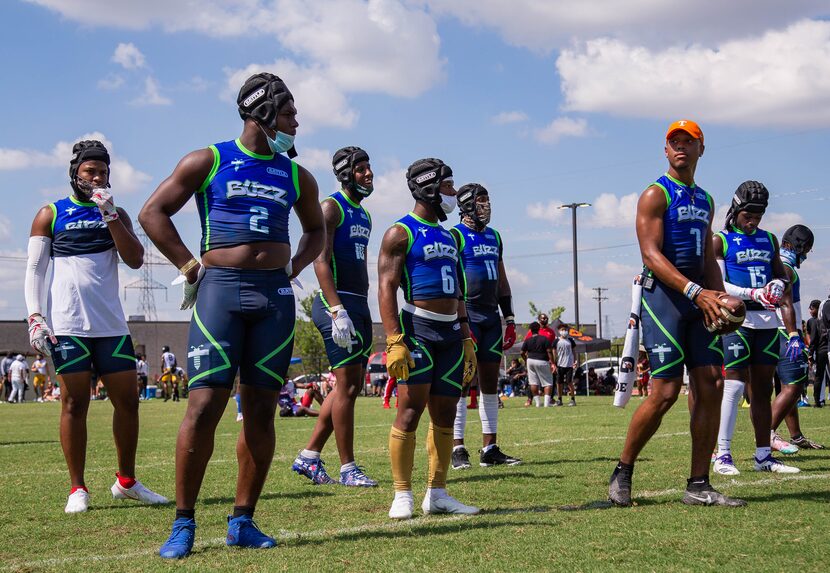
x=734, y=313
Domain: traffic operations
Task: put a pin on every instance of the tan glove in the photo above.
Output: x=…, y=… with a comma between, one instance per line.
x=398, y=358
x=470, y=362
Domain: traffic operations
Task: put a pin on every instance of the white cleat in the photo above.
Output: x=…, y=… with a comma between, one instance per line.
x=770, y=464
x=446, y=504
x=78, y=502
x=239, y=417
x=402, y=506
x=725, y=466
x=138, y=492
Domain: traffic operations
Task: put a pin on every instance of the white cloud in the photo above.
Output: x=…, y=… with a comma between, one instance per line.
x=391, y=195
x=517, y=277
x=562, y=127
x=608, y=210
x=124, y=179
x=549, y=211
x=506, y=117
x=780, y=78
x=5, y=228
x=547, y=26
x=128, y=56
x=315, y=159
x=151, y=95
x=320, y=102
x=110, y=82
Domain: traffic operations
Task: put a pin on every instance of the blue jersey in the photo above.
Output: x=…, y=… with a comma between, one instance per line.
x=351, y=237
x=686, y=221
x=78, y=229
x=430, y=270
x=748, y=258
x=795, y=286
x=246, y=197
x=480, y=254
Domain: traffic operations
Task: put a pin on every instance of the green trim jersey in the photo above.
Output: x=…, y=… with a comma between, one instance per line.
x=480, y=253
x=351, y=239
x=246, y=198
x=430, y=271
x=748, y=264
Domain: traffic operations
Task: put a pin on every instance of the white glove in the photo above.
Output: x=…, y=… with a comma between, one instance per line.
x=774, y=291
x=759, y=295
x=342, y=329
x=40, y=333
x=189, y=291
x=106, y=205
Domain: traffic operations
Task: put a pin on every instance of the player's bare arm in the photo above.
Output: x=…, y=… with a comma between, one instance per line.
x=390, y=266
x=331, y=218
x=308, y=211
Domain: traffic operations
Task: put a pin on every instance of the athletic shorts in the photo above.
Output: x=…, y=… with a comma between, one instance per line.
x=564, y=375
x=362, y=343
x=243, y=321
x=538, y=373
x=438, y=353
x=788, y=371
x=748, y=346
x=674, y=334
x=486, y=327
x=307, y=400
x=105, y=355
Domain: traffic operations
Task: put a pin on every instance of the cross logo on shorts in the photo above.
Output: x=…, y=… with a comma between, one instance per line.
x=196, y=354
x=735, y=347
x=661, y=351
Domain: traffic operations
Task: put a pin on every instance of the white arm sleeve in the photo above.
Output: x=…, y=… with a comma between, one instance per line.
x=37, y=265
x=740, y=292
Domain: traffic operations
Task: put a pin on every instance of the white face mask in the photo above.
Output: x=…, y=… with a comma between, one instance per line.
x=448, y=203
x=563, y=333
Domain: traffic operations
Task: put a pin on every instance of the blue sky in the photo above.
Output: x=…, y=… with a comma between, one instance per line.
x=543, y=103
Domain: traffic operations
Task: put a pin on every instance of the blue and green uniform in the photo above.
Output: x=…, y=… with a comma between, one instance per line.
x=351, y=279
x=748, y=264
x=673, y=330
x=243, y=319
x=789, y=371
x=480, y=254
x=429, y=273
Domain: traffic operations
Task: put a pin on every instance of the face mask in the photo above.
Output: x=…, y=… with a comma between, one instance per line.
x=448, y=203
x=281, y=144
x=792, y=257
x=563, y=333
x=363, y=191
x=483, y=211
x=84, y=188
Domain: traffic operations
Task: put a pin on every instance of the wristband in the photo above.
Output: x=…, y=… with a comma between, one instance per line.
x=691, y=290
x=188, y=266
x=791, y=334
x=463, y=319
x=336, y=308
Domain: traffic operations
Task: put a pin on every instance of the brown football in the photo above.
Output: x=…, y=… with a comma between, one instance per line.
x=734, y=313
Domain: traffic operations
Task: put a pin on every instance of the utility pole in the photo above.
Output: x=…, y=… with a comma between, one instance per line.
x=599, y=298
x=573, y=207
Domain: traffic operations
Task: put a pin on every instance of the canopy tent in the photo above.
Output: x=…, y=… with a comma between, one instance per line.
x=584, y=343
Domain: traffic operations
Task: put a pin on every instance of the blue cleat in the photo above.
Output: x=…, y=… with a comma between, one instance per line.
x=312, y=469
x=180, y=542
x=356, y=478
x=244, y=532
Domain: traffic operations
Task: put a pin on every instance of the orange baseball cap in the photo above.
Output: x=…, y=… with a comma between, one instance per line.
x=688, y=126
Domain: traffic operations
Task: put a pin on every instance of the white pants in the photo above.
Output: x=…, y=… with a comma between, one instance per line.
x=18, y=388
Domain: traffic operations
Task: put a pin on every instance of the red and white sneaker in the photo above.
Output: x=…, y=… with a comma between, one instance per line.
x=78, y=502
x=138, y=492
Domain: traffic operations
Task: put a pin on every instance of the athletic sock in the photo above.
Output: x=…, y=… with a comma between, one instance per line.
x=402, y=458
x=697, y=482
x=733, y=391
x=762, y=453
x=473, y=398
x=77, y=487
x=459, y=447
x=436, y=492
x=125, y=482
x=439, y=450
x=240, y=510
x=548, y=400
x=310, y=454
x=348, y=467
x=460, y=419
x=797, y=436
x=486, y=449
x=488, y=413
x=186, y=513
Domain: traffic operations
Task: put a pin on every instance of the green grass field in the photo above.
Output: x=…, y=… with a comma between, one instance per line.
x=542, y=515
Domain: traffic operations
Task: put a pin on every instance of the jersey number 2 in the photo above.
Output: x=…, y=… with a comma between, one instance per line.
x=259, y=214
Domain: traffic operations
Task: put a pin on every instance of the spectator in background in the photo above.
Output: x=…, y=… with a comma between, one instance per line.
x=643, y=372
x=5, y=364
x=141, y=372
x=593, y=381
x=609, y=381
x=565, y=353
x=49, y=392
x=516, y=376
x=538, y=356
x=18, y=374
x=817, y=350
x=40, y=370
